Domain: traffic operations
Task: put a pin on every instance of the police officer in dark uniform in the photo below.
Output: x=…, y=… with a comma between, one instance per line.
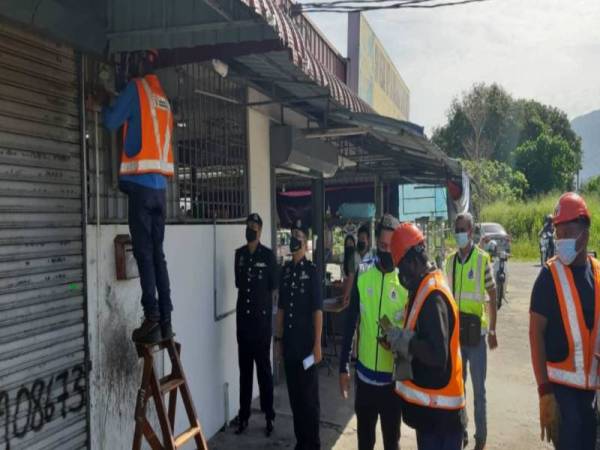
x=256, y=279
x=299, y=326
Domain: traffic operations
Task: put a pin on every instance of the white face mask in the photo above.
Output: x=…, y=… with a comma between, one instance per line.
x=566, y=250
x=462, y=239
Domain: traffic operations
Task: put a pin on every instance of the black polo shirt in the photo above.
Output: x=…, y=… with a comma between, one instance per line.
x=256, y=278
x=300, y=295
x=544, y=301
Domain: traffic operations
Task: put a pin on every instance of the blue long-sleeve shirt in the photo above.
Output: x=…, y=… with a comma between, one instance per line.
x=127, y=109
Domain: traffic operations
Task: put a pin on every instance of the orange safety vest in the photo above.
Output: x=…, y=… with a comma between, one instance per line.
x=580, y=369
x=156, y=153
x=451, y=396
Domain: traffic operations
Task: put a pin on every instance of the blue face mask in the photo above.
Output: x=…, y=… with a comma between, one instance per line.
x=462, y=239
x=566, y=250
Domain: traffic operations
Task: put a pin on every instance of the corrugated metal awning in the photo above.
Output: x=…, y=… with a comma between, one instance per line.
x=301, y=57
x=406, y=138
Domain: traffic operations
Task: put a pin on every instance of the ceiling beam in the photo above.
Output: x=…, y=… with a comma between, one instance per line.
x=211, y=26
x=214, y=5
x=324, y=133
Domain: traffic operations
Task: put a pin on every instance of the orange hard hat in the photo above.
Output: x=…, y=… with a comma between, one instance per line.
x=570, y=206
x=405, y=237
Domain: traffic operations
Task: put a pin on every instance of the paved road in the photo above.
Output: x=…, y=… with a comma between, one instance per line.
x=512, y=397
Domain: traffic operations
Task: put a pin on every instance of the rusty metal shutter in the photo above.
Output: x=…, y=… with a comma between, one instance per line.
x=43, y=379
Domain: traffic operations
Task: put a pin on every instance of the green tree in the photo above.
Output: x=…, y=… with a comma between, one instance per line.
x=487, y=123
x=537, y=118
x=591, y=186
x=548, y=162
x=497, y=181
x=482, y=124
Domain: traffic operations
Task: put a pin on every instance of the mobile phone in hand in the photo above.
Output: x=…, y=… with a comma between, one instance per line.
x=385, y=324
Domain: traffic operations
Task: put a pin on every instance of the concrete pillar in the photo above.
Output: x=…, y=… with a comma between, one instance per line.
x=318, y=224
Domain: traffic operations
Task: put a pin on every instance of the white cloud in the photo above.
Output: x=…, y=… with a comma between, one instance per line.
x=542, y=49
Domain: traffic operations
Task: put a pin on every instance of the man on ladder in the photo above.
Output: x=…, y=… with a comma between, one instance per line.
x=146, y=161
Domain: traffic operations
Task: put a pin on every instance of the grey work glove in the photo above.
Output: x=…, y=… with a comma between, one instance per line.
x=402, y=368
x=399, y=341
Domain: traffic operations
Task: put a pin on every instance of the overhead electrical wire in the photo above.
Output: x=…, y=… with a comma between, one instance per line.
x=346, y=6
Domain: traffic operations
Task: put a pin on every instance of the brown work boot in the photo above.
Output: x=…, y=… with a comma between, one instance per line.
x=148, y=333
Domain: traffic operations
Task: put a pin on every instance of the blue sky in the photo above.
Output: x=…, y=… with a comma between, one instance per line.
x=548, y=50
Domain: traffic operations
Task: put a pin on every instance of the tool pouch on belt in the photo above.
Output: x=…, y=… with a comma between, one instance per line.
x=470, y=330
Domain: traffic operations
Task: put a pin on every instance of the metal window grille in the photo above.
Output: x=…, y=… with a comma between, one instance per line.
x=210, y=150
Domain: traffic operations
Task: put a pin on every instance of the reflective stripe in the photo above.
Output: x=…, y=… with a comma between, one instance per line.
x=594, y=376
x=578, y=377
x=430, y=401
x=164, y=149
x=144, y=165
x=416, y=308
x=478, y=273
x=474, y=297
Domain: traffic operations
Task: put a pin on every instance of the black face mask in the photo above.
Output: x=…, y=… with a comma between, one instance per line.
x=295, y=244
x=385, y=261
x=408, y=280
x=251, y=234
x=361, y=246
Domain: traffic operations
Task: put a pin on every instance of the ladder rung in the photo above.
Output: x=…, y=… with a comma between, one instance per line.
x=186, y=436
x=167, y=384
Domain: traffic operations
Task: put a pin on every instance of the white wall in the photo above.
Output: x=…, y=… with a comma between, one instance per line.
x=209, y=347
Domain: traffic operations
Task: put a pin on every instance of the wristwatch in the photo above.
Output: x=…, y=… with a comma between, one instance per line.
x=492, y=332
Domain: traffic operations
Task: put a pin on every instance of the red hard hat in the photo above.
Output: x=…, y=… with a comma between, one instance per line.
x=570, y=206
x=405, y=237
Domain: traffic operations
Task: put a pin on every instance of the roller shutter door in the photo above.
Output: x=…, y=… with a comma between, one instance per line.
x=43, y=376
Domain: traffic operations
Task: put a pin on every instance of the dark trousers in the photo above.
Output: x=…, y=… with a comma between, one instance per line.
x=303, y=389
x=257, y=352
x=439, y=441
x=373, y=402
x=577, y=418
x=147, y=214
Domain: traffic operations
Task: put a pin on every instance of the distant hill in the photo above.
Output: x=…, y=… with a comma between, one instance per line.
x=588, y=127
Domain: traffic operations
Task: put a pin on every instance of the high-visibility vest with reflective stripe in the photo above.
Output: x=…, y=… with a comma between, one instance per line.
x=451, y=396
x=380, y=295
x=467, y=283
x=580, y=369
x=156, y=152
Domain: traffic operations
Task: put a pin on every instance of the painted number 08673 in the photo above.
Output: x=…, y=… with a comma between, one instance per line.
x=36, y=404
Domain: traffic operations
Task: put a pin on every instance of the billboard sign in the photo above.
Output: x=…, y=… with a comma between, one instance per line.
x=371, y=72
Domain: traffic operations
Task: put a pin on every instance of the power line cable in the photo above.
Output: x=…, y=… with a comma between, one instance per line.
x=341, y=6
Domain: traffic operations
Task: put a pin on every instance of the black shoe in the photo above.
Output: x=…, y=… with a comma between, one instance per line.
x=479, y=444
x=242, y=425
x=166, y=329
x=465, y=439
x=147, y=333
x=269, y=428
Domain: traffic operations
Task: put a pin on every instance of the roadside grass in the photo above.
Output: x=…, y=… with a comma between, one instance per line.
x=523, y=221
